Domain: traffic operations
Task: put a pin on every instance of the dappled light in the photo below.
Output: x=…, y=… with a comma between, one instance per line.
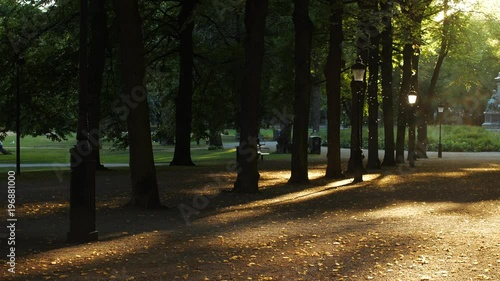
x=259, y=140
x=88, y=257
x=317, y=191
x=397, y=223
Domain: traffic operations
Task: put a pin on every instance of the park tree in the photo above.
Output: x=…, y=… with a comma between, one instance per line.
x=410, y=29
x=277, y=101
x=162, y=54
x=83, y=168
x=219, y=57
x=84, y=156
x=372, y=7
x=333, y=72
x=466, y=80
x=46, y=42
x=303, y=44
x=184, y=99
x=386, y=42
x=447, y=32
x=403, y=102
x=96, y=64
x=142, y=168
x=248, y=174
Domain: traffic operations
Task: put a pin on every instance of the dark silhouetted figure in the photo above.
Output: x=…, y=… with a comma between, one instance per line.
x=3, y=149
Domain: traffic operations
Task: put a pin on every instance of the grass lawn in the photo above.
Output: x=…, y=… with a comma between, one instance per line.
x=35, y=150
x=42, y=150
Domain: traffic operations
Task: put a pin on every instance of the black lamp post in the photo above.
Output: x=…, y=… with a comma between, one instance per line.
x=412, y=99
x=440, y=113
x=357, y=87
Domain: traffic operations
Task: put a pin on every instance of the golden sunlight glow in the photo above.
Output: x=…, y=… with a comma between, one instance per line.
x=310, y=193
x=474, y=170
x=478, y=8
x=442, y=175
x=389, y=180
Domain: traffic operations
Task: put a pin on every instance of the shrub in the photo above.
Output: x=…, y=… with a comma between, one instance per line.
x=455, y=138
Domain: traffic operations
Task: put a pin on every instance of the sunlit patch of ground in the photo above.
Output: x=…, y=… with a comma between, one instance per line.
x=438, y=221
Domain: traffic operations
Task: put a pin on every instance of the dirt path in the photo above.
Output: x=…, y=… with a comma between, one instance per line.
x=437, y=221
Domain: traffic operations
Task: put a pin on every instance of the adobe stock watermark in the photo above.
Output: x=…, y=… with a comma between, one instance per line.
x=11, y=221
x=246, y=150
x=84, y=148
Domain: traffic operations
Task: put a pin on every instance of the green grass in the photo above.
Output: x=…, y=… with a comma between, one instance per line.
x=43, y=150
x=455, y=138
x=464, y=139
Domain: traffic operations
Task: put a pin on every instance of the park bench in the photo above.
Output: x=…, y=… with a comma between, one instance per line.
x=263, y=150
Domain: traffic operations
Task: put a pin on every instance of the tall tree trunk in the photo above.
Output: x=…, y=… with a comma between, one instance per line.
x=85, y=99
x=386, y=73
x=142, y=168
x=255, y=23
x=82, y=186
x=425, y=112
x=303, y=42
x=333, y=72
x=412, y=119
x=97, y=59
x=403, y=102
x=372, y=95
x=184, y=100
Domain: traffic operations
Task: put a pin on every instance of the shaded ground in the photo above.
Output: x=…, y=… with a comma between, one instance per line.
x=437, y=221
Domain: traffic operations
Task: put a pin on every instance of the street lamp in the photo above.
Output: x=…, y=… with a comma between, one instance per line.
x=440, y=146
x=412, y=99
x=358, y=70
x=357, y=87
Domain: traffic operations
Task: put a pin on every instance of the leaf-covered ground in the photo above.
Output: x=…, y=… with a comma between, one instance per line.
x=437, y=221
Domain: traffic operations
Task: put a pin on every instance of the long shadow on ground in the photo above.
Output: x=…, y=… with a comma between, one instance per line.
x=231, y=236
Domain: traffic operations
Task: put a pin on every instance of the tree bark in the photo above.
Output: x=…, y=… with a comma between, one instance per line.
x=142, y=168
x=303, y=42
x=413, y=146
x=255, y=23
x=403, y=102
x=386, y=77
x=97, y=59
x=414, y=12
x=373, y=161
x=184, y=100
x=333, y=71
x=82, y=185
x=425, y=112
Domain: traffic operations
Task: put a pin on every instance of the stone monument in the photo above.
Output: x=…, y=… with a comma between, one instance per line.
x=492, y=113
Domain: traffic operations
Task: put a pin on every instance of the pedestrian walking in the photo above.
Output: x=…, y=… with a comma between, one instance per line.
x=3, y=149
